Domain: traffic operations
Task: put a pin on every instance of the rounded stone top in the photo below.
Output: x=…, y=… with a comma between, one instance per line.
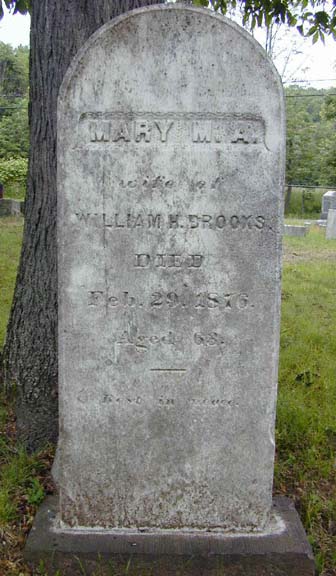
x=175, y=58
x=169, y=210
x=192, y=14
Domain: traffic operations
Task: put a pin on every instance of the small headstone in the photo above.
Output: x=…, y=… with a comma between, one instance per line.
x=10, y=207
x=331, y=225
x=171, y=148
x=16, y=207
x=5, y=207
x=295, y=230
x=328, y=202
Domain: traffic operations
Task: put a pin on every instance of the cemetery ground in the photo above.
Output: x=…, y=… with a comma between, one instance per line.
x=305, y=469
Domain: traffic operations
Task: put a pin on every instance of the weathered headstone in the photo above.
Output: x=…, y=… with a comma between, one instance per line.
x=5, y=207
x=331, y=225
x=328, y=202
x=170, y=196
x=295, y=230
x=170, y=175
x=10, y=207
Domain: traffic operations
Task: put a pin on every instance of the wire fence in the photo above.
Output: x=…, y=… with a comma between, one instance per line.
x=304, y=201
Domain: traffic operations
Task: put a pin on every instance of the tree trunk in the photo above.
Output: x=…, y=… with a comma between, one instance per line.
x=288, y=198
x=58, y=30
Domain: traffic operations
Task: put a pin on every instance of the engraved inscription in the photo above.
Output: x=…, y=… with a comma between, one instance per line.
x=165, y=401
x=168, y=260
x=238, y=132
x=170, y=128
x=151, y=221
x=225, y=301
x=133, y=220
x=149, y=183
x=143, y=342
x=123, y=131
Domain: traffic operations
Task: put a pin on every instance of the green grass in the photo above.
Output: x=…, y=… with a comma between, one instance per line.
x=18, y=480
x=311, y=205
x=298, y=221
x=313, y=245
x=16, y=191
x=301, y=217
x=24, y=481
x=10, y=245
x=306, y=423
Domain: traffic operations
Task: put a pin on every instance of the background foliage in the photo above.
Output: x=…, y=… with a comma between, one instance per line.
x=13, y=171
x=312, y=17
x=14, y=90
x=311, y=135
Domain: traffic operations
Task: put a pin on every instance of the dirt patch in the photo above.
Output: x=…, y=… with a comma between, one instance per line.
x=292, y=256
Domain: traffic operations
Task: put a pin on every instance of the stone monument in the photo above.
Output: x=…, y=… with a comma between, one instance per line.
x=328, y=202
x=294, y=230
x=171, y=138
x=331, y=225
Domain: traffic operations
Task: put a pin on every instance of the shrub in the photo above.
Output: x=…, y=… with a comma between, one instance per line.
x=13, y=175
x=13, y=171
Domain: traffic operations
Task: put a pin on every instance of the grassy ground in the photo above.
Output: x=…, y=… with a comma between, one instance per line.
x=10, y=244
x=306, y=202
x=306, y=426
x=16, y=191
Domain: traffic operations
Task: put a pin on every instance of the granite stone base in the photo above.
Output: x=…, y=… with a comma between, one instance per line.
x=285, y=552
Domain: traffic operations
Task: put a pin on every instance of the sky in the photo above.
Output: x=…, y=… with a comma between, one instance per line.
x=315, y=64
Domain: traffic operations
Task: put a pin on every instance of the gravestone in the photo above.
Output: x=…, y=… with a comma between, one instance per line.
x=295, y=230
x=328, y=202
x=170, y=199
x=10, y=207
x=170, y=186
x=331, y=225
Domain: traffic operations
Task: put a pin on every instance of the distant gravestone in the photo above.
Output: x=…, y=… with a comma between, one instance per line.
x=294, y=230
x=170, y=185
x=328, y=202
x=10, y=207
x=331, y=225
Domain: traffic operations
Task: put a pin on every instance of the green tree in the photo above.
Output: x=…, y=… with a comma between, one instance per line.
x=14, y=72
x=328, y=142
x=14, y=133
x=14, y=88
x=310, y=136
x=310, y=17
x=328, y=111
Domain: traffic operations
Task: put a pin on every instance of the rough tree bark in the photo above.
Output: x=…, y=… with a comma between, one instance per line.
x=58, y=30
